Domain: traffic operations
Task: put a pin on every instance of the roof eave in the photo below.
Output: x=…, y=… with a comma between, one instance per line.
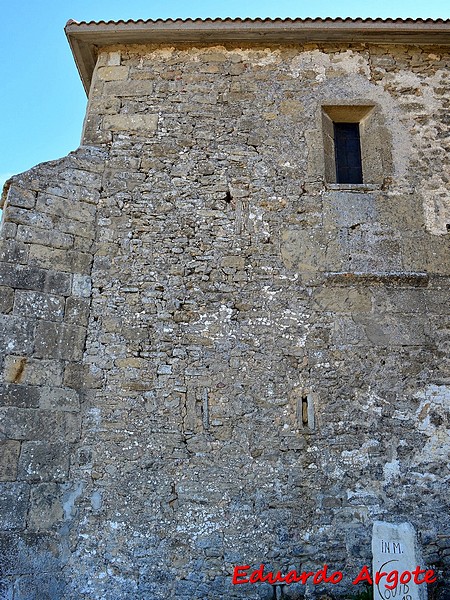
x=86, y=38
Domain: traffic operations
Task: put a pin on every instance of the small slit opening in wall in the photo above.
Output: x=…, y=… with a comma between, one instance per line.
x=307, y=412
x=205, y=409
x=447, y=226
x=228, y=197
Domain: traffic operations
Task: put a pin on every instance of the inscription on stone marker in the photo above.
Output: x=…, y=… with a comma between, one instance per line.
x=394, y=548
x=391, y=547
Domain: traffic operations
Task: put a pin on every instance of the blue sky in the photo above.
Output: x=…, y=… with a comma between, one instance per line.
x=42, y=103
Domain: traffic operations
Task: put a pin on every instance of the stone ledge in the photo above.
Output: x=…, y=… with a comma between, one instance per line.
x=353, y=187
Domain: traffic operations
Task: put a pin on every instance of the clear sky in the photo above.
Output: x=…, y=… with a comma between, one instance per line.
x=42, y=101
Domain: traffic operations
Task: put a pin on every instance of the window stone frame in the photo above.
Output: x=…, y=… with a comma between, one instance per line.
x=375, y=140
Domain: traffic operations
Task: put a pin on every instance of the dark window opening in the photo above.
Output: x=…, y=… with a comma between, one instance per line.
x=347, y=148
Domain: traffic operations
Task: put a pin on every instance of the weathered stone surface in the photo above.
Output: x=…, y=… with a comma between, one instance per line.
x=9, y=455
x=23, y=216
x=35, y=235
x=13, y=505
x=6, y=299
x=16, y=334
x=303, y=250
x=67, y=261
x=77, y=311
x=21, y=277
x=19, y=550
x=79, y=376
x=59, y=399
x=33, y=372
x=343, y=300
x=81, y=285
x=22, y=396
x=112, y=73
x=347, y=209
x=39, y=305
x=57, y=283
x=55, y=205
x=136, y=123
x=46, y=508
x=40, y=585
x=33, y=424
x=43, y=461
x=9, y=230
x=133, y=88
x=12, y=251
x=20, y=197
x=60, y=341
x=36, y=279
x=6, y=589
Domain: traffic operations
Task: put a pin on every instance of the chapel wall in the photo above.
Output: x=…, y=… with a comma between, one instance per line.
x=252, y=359
x=232, y=281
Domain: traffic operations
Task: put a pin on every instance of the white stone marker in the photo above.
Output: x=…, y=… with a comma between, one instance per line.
x=394, y=548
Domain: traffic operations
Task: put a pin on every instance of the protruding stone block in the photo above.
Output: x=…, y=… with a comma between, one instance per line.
x=57, y=283
x=79, y=376
x=24, y=278
x=29, y=553
x=132, y=88
x=67, y=261
x=35, y=235
x=113, y=59
x=40, y=585
x=36, y=279
x=80, y=212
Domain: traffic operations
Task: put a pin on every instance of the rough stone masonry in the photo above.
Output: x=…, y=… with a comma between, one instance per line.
x=212, y=354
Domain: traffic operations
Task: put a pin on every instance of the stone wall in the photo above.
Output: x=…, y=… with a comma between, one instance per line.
x=260, y=369
x=46, y=253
